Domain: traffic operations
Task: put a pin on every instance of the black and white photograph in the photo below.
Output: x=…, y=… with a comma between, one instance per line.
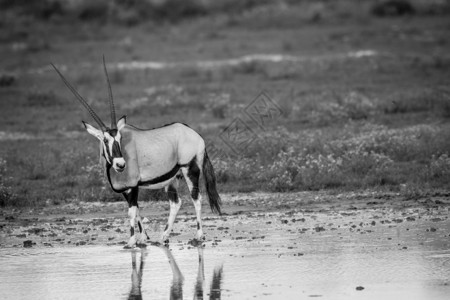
x=225, y=149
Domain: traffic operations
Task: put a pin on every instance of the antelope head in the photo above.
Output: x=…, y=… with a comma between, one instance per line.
x=109, y=137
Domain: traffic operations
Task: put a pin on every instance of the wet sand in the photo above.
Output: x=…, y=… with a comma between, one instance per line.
x=265, y=246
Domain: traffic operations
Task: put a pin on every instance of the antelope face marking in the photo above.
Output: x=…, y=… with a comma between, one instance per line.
x=112, y=149
x=110, y=140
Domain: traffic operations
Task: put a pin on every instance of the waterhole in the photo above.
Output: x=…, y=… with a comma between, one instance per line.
x=248, y=257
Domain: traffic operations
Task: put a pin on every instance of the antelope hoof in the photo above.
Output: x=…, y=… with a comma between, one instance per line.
x=164, y=242
x=141, y=238
x=196, y=243
x=165, y=238
x=200, y=236
x=131, y=243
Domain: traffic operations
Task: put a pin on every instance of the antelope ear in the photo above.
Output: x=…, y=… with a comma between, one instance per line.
x=121, y=123
x=93, y=131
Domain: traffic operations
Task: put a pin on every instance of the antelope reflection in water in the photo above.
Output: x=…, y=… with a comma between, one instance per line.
x=176, y=287
x=136, y=275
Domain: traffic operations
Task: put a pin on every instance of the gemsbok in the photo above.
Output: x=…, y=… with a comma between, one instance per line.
x=155, y=158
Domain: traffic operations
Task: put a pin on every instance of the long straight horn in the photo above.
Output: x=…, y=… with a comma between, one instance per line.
x=82, y=101
x=111, y=101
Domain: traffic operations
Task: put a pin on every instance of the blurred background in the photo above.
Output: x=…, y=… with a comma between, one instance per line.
x=363, y=88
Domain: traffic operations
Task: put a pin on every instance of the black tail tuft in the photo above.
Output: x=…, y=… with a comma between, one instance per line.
x=210, y=183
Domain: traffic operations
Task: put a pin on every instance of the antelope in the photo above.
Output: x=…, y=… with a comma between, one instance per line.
x=156, y=158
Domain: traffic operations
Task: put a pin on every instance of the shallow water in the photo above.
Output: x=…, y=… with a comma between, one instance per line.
x=268, y=257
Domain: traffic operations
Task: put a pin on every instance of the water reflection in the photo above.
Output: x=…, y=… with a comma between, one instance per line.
x=176, y=286
x=216, y=283
x=136, y=275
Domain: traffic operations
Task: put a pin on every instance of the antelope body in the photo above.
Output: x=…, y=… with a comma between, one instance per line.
x=155, y=158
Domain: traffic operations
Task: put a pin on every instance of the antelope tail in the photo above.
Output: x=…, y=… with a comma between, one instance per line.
x=210, y=183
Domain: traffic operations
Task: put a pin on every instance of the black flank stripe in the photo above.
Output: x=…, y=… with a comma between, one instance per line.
x=156, y=180
x=163, y=177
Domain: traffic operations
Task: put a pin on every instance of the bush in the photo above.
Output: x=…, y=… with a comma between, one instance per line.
x=271, y=142
x=42, y=98
x=327, y=108
x=372, y=156
x=7, y=80
x=235, y=6
x=6, y=195
x=419, y=101
x=393, y=8
x=232, y=169
x=175, y=10
x=440, y=166
x=356, y=105
x=402, y=144
x=218, y=105
x=87, y=10
x=292, y=170
x=42, y=9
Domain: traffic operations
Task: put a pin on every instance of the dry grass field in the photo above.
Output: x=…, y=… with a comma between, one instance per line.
x=361, y=92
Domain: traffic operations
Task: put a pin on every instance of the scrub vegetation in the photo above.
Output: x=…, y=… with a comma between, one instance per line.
x=365, y=104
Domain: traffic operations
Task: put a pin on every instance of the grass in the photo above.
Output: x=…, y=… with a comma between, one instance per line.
x=379, y=122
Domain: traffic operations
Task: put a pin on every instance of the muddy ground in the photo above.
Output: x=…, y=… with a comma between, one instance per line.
x=90, y=223
x=270, y=246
